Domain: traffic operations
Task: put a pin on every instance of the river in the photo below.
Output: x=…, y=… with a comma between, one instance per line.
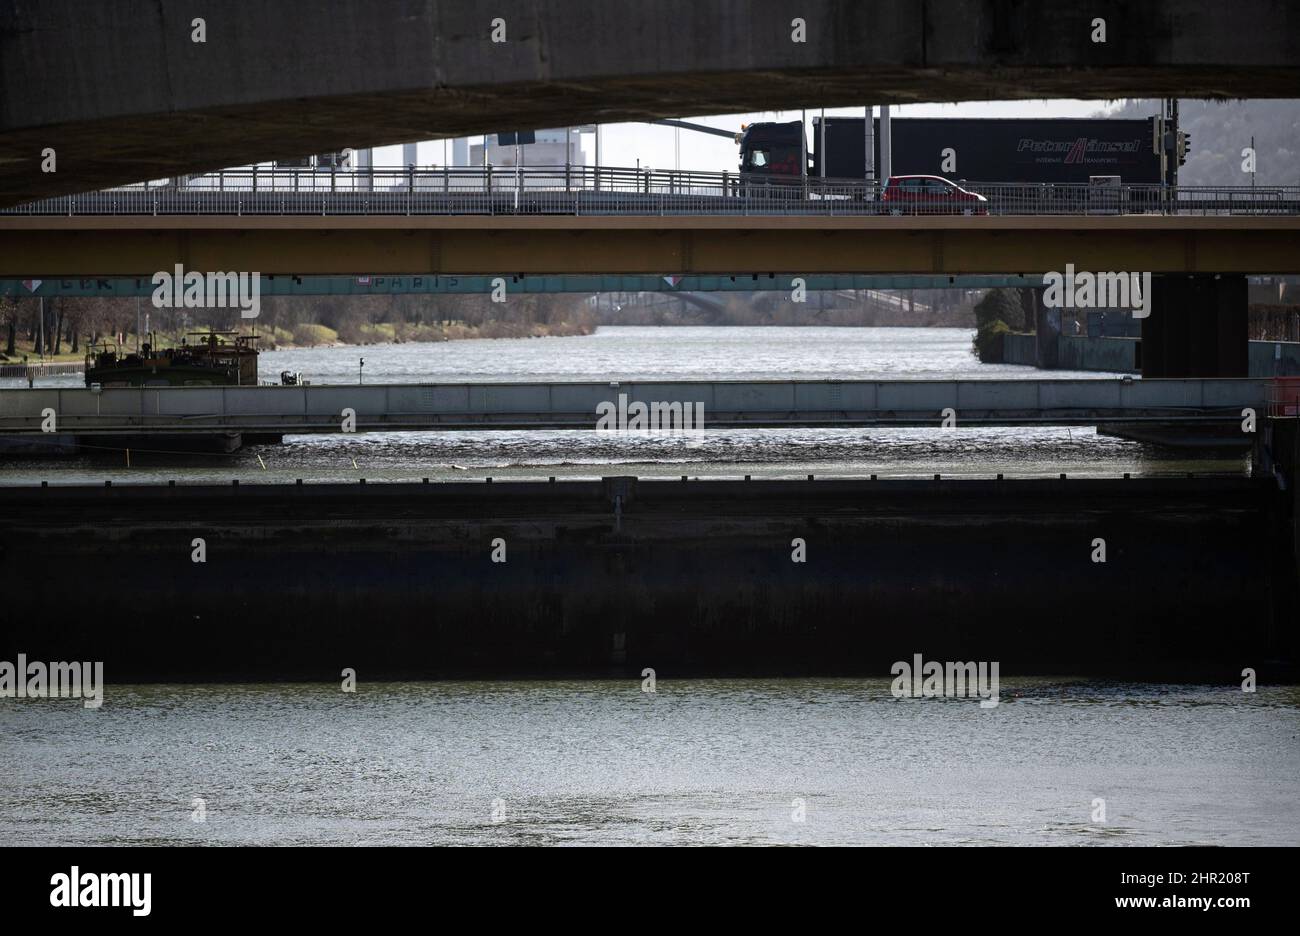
x=695, y=762
x=800, y=761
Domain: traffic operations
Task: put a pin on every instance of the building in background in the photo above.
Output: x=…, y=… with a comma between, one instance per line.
x=548, y=148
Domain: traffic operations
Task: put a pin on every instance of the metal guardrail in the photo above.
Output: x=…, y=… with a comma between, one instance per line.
x=398, y=407
x=41, y=369
x=586, y=190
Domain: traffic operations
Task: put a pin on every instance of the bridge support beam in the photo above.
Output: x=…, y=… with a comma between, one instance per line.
x=1197, y=327
x=1047, y=329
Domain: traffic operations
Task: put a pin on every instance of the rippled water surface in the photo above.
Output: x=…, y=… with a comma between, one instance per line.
x=696, y=762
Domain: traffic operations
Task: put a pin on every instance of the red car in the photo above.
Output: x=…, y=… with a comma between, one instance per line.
x=927, y=194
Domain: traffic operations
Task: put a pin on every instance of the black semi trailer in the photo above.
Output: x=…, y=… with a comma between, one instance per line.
x=1038, y=150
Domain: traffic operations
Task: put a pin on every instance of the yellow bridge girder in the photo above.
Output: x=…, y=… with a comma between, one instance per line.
x=708, y=245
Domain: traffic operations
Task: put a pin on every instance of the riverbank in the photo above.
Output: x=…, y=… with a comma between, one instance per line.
x=23, y=365
x=322, y=336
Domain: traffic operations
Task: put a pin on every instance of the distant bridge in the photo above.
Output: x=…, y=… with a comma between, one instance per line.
x=111, y=287
x=562, y=405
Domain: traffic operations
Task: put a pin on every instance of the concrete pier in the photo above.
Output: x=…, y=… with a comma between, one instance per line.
x=606, y=578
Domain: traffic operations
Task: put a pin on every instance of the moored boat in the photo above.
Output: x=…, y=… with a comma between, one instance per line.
x=217, y=359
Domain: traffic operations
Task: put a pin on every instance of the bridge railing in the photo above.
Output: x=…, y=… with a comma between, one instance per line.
x=607, y=190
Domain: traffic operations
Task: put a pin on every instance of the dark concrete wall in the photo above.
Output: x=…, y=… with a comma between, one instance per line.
x=1197, y=327
x=1267, y=358
x=685, y=577
x=123, y=94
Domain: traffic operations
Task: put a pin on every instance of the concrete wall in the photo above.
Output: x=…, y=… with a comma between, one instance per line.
x=687, y=577
x=122, y=92
x=1267, y=358
x=1074, y=353
x=320, y=408
x=1275, y=358
x=1020, y=349
x=1096, y=354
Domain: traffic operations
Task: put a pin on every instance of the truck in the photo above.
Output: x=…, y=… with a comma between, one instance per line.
x=1047, y=151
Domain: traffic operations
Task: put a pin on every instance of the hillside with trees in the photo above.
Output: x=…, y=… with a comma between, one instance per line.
x=70, y=321
x=1220, y=130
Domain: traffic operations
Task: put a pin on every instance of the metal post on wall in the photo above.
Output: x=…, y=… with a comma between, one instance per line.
x=868, y=146
x=821, y=145
x=885, y=168
x=803, y=151
x=518, y=172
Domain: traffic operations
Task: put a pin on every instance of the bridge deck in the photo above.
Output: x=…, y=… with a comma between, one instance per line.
x=405, y=407
x=100, y=246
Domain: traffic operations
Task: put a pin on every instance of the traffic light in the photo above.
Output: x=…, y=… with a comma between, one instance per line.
x=1184, y=145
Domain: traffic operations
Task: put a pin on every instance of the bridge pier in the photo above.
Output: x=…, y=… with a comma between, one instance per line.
x=1047, y=329
x=1277, y=455
x=1197, y=327
x=1277, y=459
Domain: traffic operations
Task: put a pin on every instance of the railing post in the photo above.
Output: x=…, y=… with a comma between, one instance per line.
x=254, y=177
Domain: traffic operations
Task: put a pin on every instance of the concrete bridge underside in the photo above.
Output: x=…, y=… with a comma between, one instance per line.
x=465, y=245
x=122, y=93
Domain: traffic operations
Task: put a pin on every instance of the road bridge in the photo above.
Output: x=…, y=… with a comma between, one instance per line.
x=561, y=405
x=132, y=90
x=49, y=247
x=611, y=190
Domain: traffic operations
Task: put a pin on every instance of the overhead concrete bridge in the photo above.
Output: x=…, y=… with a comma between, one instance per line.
x=122, y=92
